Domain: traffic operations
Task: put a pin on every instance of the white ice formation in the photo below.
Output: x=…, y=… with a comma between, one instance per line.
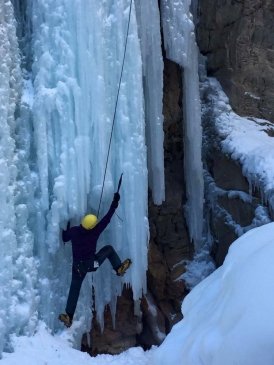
x=18, y=296
x=181, y=47
x=53, y=155
x=150, y=37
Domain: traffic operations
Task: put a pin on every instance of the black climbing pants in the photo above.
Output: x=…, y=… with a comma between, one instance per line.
x=81, y=268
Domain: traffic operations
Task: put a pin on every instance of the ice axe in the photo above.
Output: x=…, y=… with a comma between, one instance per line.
x=119, y=185
x=120, y=182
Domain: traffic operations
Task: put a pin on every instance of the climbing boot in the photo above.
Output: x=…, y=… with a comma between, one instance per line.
x=65, y=318
x=120, y=271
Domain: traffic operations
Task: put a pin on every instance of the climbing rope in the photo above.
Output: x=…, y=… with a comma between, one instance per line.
x=115, y=109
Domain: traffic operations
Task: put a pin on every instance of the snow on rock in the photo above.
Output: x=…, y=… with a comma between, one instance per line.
x=228, y=317
x=245, y=139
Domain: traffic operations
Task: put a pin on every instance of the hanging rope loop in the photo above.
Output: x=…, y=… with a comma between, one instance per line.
x=115, y=110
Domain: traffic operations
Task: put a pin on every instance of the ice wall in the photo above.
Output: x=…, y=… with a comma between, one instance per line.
x=53, y=156
x=180, y=45
x=18, y=297
x=78, y=51
x=148, y=17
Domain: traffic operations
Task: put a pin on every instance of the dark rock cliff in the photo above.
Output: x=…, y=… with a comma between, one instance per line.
x=237, y=36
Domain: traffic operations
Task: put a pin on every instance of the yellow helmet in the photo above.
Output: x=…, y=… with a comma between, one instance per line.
x=89, y=221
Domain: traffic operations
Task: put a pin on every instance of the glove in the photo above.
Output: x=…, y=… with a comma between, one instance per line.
x=68, y=225
x=116, y=199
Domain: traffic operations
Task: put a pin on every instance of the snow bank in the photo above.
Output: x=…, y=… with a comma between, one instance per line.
x=43, y=348
x=228, y=318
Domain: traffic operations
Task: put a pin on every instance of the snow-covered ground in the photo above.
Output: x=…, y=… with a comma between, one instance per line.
x=45, y=349
x=229, y=316
x=228, y=319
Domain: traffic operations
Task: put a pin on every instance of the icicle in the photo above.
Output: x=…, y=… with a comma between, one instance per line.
x=149, y=32
x=180, y=45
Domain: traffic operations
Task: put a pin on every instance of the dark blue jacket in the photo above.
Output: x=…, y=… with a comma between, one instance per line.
x=84, y=240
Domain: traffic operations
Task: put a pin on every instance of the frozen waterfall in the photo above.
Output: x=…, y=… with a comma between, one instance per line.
x=76, y=69
x=54, y=154
x=60, y=67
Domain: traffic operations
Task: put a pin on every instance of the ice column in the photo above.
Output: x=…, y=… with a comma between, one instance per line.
x=78, y=50
x=18, y=269
x=149, y=32
x=180, y=45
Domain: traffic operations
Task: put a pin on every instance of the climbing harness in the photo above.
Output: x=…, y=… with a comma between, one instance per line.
x=115, y=109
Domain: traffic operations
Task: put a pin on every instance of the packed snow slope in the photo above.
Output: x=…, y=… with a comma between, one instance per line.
x=228, y=319
x=229, y=316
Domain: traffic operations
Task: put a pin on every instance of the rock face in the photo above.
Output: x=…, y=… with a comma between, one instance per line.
x=238, y=39
x=118, y=338
x=233, y=206
x=147, y=323
x=169, y=241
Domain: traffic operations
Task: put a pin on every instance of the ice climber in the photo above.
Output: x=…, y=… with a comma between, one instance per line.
x=85, y=259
